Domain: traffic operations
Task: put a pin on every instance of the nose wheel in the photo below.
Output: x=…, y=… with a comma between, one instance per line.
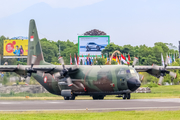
x=126, y=96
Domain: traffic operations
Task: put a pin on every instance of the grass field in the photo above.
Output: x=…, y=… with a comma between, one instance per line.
x=85, y=115
x=156, y=92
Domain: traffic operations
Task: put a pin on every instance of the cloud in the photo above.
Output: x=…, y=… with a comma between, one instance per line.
x=9, y=7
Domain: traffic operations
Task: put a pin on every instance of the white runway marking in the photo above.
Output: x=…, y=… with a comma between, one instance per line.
x=9, y=103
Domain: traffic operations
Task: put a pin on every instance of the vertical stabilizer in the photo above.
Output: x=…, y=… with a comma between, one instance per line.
x=34, y=46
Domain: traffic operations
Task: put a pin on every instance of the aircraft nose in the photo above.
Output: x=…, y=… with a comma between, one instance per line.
x=133, y=83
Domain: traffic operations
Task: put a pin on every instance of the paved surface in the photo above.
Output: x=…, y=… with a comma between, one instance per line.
x=137, y=104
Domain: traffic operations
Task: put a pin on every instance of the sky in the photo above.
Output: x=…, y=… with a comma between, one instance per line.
x=134, y=22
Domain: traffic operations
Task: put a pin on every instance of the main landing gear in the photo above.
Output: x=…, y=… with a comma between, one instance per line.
x=126, y=96
x=98, y=97
x=70, y=98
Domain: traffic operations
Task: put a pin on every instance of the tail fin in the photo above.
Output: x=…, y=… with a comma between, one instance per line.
x=34, y=46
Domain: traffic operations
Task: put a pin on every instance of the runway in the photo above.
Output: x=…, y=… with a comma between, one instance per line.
x=136, y=104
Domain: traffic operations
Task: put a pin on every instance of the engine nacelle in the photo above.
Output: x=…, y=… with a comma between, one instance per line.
x=66, y=93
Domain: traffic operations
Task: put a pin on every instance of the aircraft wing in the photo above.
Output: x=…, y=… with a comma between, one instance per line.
x=148, y=68
x=42, y=68
x=8, y=68
x=142, y=68
x=173, y=67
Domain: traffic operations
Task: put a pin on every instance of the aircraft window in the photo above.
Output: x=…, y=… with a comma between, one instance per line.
x=122, y=71
x=127, y=71
x=132, y=71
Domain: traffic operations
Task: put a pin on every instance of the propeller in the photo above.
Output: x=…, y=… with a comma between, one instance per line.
x=29, y=70
x=163, y=71
x=134, y=61
x=65, y=72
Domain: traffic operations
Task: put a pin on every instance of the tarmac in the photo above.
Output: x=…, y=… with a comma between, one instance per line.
x=92, y=105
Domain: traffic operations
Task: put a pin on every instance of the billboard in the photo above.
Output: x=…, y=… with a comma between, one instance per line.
x=92, y=45
x=15, y=49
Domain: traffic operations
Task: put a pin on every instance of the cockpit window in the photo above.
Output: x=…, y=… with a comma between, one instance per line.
x=122, y=71
x=127, y=71
x=132, y=71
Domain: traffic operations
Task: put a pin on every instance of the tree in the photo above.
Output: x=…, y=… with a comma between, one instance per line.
x=150, y=60
x=111, y=48
x=113, y=62
x=50, y=50
x=95, y=32
x=163, y=46
x=100, y=61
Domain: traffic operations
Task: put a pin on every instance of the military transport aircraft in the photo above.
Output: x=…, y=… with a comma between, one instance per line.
x=70, y=81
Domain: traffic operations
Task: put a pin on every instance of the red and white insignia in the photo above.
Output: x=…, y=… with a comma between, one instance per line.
x=45, y=79
x=32, y=38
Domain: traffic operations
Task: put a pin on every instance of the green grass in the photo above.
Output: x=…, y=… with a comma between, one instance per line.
x=172, y=91
x=85, y=115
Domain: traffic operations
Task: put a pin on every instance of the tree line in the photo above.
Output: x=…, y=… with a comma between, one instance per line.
x=147, y=55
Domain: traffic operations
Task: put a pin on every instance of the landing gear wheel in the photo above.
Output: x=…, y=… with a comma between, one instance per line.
x=124, y=96
x=101, y=97
x=66, y=98
x=95, y=97
x=128, y=96
x=72, y=97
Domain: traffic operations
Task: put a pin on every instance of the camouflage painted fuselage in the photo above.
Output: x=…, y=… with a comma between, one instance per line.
x=88, y=80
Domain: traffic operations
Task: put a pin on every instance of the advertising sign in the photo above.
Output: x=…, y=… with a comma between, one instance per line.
x=15, y=48
x=92, y=45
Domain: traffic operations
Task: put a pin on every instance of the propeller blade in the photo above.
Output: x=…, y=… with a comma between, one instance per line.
x=69, y=82
x=28, y=80
x=160, y=80
x=20, y=67
x=141, y=77
x=166, y=62
x=33, y=59
x=172, y=74
x=56, y=75
x=135, y=61
x=156, y=67
x=61, y=60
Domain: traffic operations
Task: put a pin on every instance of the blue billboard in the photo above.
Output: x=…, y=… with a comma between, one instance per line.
x=92, y=45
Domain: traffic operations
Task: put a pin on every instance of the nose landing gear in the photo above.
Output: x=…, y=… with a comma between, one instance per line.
x=126, y=96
